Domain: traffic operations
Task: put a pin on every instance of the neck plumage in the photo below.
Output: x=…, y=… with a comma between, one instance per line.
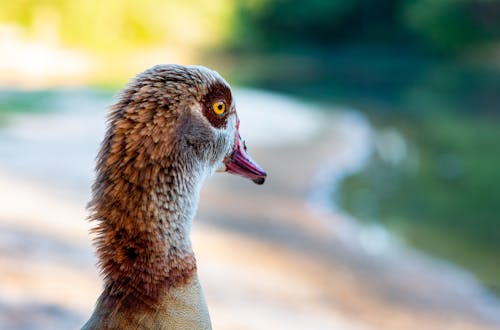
x=144, y=219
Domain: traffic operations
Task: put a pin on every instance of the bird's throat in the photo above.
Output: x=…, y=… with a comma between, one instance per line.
x=143, y=237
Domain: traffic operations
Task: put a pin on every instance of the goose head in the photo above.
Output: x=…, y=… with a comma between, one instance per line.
x=181, y=114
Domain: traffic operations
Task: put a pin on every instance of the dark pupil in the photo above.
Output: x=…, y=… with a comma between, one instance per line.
x=219, y=106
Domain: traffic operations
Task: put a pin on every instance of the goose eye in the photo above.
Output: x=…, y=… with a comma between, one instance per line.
x=219, y=108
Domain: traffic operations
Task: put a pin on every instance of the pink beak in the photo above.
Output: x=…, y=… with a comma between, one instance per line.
x=240, y=163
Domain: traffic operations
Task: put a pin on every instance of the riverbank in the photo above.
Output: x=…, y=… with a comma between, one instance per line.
x=274, y=258
x=432, y=181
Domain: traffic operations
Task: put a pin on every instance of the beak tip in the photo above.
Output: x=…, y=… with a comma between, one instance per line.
x=259, y=180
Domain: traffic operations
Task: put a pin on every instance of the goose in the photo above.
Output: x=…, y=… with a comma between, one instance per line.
x=171, y=128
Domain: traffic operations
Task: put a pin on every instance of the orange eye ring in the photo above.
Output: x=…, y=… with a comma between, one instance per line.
x=219, y=108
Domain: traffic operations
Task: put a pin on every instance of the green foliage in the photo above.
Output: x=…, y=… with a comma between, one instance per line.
x=277, y=23
x=121, y=24
x=319, y=23
x=450, y=25
x=444, y=26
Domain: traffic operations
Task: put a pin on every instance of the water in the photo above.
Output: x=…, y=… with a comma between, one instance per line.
x=432, y=178
x=58, y=144
x=57, y=140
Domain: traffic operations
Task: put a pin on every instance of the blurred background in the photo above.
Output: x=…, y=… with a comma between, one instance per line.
x=423, y=77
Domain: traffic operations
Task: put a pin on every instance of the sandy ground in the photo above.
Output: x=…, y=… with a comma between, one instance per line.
x=269, y=257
